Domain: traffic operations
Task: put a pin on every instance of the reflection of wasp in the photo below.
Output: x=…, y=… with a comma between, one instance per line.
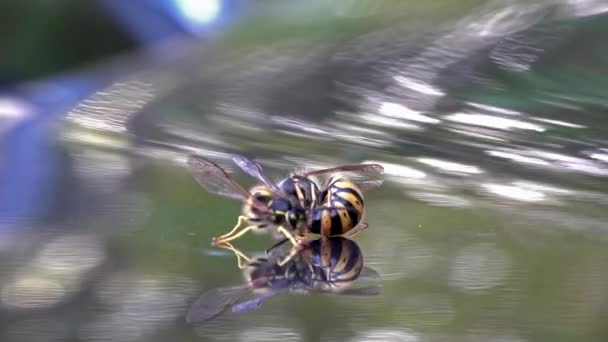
x=327, y=265
x=294, y=205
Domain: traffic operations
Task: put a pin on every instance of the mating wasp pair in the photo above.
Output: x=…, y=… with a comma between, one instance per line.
x=296, y=206
x=329, y=265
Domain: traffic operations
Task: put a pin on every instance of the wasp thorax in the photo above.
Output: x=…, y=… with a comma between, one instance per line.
x=279, y=208
x=302, y=189
x=296, y=217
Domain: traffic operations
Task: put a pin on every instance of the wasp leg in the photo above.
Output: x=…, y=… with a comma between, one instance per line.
x=276, y=245
x=240, y=256
x=294, y=251
x=358, y=229
x=241, y=220
x=288, y=235
x=244, y=231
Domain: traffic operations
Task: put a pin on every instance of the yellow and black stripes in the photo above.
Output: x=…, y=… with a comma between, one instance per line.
x=341, y=210
x=302, y=208
x=325, y=264
x=339, y=259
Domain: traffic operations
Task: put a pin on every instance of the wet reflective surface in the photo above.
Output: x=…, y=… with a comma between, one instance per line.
x=329, y=265
x=491, y=225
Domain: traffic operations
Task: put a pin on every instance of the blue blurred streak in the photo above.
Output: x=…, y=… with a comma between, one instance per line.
x=29, y=163
x=150, y=21
x=28, y=151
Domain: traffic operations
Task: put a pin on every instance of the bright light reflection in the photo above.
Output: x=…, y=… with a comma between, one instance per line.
x=32, y=292
x=541, y=187
x=71, y=254
x=450, y=166
x=476, y=135
x=573, y=163
x=300, y=125
x=493, y=109
x=12, y=112
x=583, y=8
x=11, y=108
x=493, y=122
x=418, y=86
x=362, y=140
x=201, y=11
x=518, y=158
x=97, y=140
x=379, y=120
x=440, y=200
x=514, y=192
x=397, y=170
x=109, y=109
x=508, y=20
x=560, y=123
x=387, y=335
x=556, y=156
x=395, y=110
x=600, y=156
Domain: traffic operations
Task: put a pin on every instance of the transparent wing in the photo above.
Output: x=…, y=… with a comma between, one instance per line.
x=215, y=179
x=366, y=176
x=255, y=170
x=214, y=302
x=252, y=304
x=368, y=184
x=368, y=273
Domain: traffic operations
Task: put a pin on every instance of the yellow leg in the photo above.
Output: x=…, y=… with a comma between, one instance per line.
x=294, y=251
x=241, y=220
x=353, y=232
x=244, y=231
x=240, y=256
x=288, y=235
x=328, y=276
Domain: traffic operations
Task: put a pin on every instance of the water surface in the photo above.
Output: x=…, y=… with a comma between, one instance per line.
x=491, y=224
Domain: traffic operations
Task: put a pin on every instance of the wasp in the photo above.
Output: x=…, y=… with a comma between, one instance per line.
x=296, y=205
x=325, y=266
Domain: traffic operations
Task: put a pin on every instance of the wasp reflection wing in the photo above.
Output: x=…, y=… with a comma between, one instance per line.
x=214, y=302
x=368, y=184
x=255, y=170
x=366, y=176
x=373, y=290
x=369, y=274
x=252, y=304
x=215, y=179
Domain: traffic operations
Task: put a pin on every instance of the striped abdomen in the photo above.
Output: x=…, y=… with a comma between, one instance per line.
x=339, y=259
x=341, y=209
